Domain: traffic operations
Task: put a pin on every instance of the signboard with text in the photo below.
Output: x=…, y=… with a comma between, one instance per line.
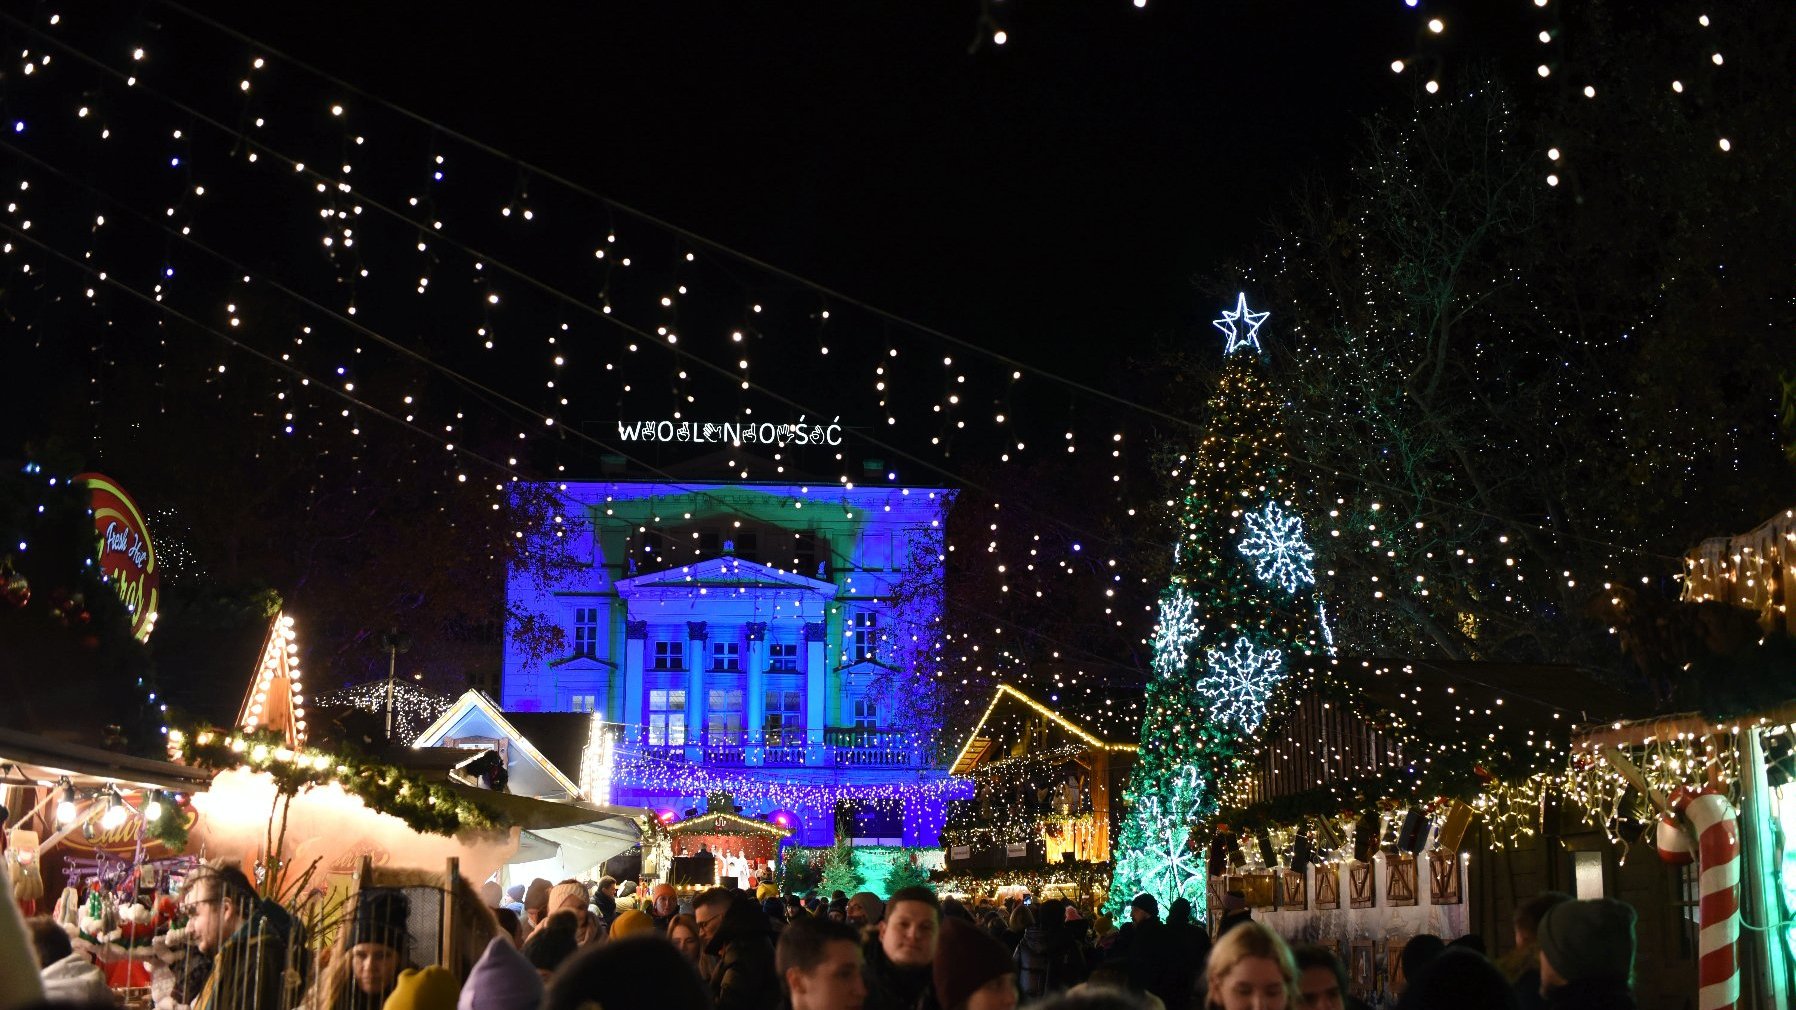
x=125, y=553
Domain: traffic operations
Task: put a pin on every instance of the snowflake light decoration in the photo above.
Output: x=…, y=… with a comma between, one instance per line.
x=1176, y=866
x=1275, y=542
x=1241, y=314
x=1239, y=682
x=1175, y=631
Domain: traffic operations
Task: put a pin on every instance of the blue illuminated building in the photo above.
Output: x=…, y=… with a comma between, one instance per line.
x=768, y=640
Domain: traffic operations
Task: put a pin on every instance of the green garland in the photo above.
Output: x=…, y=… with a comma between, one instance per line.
x=428, y=807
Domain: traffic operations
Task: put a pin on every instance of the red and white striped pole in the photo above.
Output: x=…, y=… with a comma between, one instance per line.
x=1718, y=857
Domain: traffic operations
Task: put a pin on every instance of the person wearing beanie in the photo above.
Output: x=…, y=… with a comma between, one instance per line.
x=501, y=980
x=865, y=909
x=1151, y=951
x=1522, y=964
x=366, y=963
x=631, y=922
x=1587, y=955
x=514, y=899
x=775, y=911
x=552, y=943
x=664, y=904
x=571, y=896
x=641, y=973
x=490, y=894
x=536, y=903
x=432, y=988
x=901, y=953
x=972, y=971
x=820, y=963
x=1234, y=912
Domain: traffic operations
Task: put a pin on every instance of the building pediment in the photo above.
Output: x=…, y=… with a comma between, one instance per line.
x=725, y=574
x=866, y=668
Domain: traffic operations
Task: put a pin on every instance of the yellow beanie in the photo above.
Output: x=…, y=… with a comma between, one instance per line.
x=631, y=922
x=433, y=988
x=766, y=891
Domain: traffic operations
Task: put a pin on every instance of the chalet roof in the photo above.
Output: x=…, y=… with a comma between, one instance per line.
x=718, y=822
x=980, y=743
x=559, y=736
x=475, y=704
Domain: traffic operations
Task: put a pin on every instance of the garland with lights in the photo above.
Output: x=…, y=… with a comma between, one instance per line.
x=428, y=807
x=645, y=772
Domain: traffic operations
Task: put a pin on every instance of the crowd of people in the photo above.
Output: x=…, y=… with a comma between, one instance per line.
x=568, y=946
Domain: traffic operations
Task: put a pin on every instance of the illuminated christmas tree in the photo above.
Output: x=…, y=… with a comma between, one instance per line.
x=1241, y=604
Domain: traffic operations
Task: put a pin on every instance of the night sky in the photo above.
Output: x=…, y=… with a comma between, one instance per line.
x=1062, y=190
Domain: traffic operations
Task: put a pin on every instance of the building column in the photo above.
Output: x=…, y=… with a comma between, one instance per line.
x=695, y=691
x=816, y=679
x=634, y=716
x=755, y=705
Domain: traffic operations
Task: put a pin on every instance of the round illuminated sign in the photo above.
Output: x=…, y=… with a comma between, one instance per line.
x=126, y=556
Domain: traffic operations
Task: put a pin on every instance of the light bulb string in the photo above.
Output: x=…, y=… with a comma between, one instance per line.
x=720, y=370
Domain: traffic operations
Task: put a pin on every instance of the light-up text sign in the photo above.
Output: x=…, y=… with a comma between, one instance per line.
x=731, y=432
x=126, y=555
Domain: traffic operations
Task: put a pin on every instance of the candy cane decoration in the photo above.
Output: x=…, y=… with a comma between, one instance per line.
x=1718, y=855
x=1673, y=843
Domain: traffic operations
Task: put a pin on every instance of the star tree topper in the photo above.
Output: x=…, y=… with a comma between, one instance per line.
x=1275, y=543
x=1239, y=683
x=1241, y=314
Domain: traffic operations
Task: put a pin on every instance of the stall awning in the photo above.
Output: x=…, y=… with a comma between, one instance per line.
x=586, y=834
x=43, y=759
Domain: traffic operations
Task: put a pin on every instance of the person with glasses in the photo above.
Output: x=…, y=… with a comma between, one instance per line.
x=736, y=937
x=253, y=942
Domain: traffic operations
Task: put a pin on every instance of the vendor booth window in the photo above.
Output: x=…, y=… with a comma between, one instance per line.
x=723, y=715
x=667, y=718
x=586, y=631
x=782, y=656
x=726, y=656
x=670, y=655
x=785, y=717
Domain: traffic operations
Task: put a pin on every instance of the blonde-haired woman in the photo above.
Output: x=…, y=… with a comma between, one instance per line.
x=1251, y=968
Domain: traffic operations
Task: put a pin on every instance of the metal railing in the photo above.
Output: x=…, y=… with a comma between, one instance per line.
x=833, y=747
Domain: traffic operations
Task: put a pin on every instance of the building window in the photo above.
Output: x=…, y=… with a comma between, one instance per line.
x=785, y=718
x=782, y=656
x=586, y=631
x=723, y=715
x=866, y=714
x=726, y=656
x=748, y=547
x=667, y=718
x=670, y=655
x=804, y=553
x=583, y=703
x=863, y=629
x=709, y=543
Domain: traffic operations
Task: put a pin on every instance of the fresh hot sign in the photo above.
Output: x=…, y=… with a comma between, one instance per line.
x=125, y=553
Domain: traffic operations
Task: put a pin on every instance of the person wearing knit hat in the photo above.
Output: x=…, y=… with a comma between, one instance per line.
x=664, y=904
x=1587, y=954
x=501, y=980
x=865, y=909
x=571, y=896
x=378, y=943
x=552, y=943
x=631, y=922
x=973, y=971
x=536, y=902
x=432, y=988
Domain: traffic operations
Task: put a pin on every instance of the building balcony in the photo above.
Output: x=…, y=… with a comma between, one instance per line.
x=834, y=747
